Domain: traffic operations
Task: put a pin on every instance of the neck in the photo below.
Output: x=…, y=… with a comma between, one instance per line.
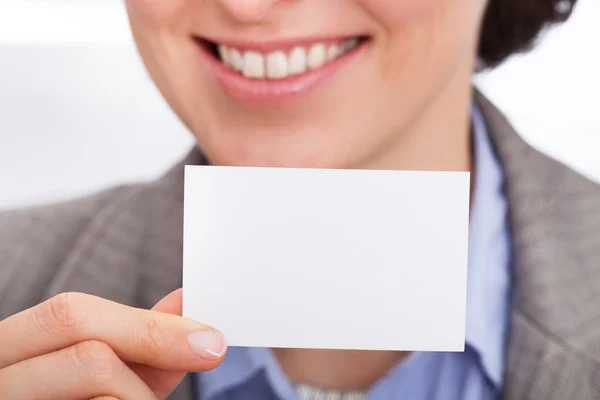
x=337, y=369
x=438, y=139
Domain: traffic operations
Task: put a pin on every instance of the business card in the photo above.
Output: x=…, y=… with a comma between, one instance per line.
x=323, y=258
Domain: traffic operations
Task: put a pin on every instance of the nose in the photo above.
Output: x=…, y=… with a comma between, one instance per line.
x=248, y=11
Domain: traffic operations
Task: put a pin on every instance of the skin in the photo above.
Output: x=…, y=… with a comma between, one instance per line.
x=412, y=86
x=78, y=346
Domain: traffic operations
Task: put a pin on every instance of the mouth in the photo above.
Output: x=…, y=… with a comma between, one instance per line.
x=277, y=70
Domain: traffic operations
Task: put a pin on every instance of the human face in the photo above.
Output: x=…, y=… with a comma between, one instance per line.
x=398, y=99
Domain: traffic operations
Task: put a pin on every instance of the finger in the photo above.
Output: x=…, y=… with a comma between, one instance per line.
x=160, y=381
x=86, y=370
x=153, y=338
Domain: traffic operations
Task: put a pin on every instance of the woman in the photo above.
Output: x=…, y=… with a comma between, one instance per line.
x=378, y=84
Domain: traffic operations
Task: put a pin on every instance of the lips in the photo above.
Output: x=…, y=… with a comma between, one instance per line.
x=269, y=71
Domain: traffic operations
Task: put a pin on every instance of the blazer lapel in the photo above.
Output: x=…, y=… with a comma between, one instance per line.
x=554, y=341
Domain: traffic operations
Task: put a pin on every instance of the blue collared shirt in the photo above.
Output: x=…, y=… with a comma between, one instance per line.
x=475, y=374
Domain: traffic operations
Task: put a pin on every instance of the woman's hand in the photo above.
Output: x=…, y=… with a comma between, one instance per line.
x=78, y=346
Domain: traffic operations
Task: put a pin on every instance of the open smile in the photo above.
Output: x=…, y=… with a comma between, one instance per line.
x=273, y=71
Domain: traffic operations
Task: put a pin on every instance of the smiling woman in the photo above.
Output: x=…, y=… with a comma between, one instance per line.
x=347, y=84
x=243, y=63
x=396, y=47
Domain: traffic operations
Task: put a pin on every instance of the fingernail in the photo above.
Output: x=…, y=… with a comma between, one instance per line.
x=208, y=344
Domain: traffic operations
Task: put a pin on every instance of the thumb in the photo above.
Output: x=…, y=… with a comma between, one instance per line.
x=162, y=382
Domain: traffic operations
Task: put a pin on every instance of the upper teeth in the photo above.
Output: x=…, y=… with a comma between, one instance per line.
x=278, y=64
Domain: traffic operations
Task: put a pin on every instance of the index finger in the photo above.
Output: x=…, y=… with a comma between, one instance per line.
x=153, y=338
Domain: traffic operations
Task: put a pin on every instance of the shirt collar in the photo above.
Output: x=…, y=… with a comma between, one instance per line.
x=488, y=276
x=241, y=364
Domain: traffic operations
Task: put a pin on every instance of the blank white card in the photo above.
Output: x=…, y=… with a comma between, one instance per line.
x=318, y=258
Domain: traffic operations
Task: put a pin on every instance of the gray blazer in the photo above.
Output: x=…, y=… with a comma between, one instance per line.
x=125, y=244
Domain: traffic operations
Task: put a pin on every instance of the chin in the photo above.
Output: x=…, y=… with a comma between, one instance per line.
x=279, y=161
x=268, y=147
x=276, y=156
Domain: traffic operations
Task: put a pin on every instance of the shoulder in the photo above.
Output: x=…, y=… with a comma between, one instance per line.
x=571, y=196
x=579, y=191
x=55, y=225
x=123, y=244
x=531, y=174
x=35, y=241
x=45, y=222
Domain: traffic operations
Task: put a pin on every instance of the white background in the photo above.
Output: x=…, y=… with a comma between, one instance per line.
x=76, y=103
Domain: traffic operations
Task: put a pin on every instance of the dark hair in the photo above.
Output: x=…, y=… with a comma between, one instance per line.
x=512, y=26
